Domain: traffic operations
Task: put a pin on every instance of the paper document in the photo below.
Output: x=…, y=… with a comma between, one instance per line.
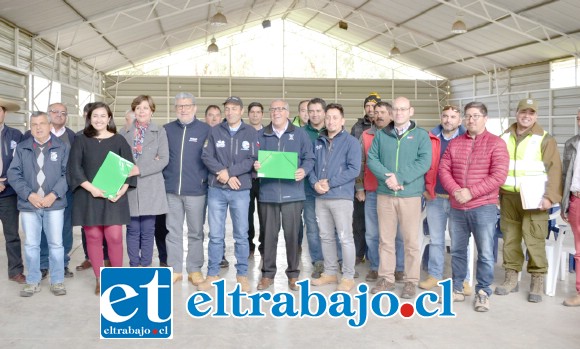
x=532, y=191
x=277, y=164
x=112, y=174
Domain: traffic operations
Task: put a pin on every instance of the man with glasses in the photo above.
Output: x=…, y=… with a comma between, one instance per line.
x=471, y=170
x=282, y=200
x=58, y=114
x=533, y=156
x=438, y=207
x=186, y=187
x=399, y=157
x=229, y=154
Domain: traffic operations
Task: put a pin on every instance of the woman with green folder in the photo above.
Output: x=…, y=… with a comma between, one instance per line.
x=101, y=216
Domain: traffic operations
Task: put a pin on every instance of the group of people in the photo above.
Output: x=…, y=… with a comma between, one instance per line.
x=360, y=194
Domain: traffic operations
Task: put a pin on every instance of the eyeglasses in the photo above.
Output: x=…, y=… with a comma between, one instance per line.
x=451, y=107
x=58, y=112
x=183, y=106
x=277, y=109
x=401, y=109
x=474, y=116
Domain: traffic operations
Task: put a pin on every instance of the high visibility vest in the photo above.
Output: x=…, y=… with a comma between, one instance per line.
x=525, y=160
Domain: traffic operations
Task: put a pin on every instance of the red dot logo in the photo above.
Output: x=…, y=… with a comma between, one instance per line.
x=155, y=331
x=407, y=310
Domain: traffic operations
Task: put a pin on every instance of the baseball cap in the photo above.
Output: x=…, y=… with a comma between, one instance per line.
x=234, y=100
x=528, y=104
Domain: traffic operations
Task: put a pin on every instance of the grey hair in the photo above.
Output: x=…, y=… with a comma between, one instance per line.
x=185, y=95
x=36, y=114
x=286, y=105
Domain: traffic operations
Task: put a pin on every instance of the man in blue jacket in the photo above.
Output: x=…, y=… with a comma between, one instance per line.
x=229, y=154
x=186, y=187
x=38, y=175
x=282, y=200
x=9, y=138
x=338, y=160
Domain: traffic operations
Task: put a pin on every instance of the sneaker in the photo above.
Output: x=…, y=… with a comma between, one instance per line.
x=345, y=285
x=481, y=301
x=206, y=285
x=195, y=278
x=177, y=277
x=318, y=270
x=467, y=289
x=324, y=279
x=244, y=283
x=409, y=290
x=68, y=273
x=29, y=290
x=383, y=285
x=224, y=263
x=372, y=276
x=43, y=273
x=399, y=276
x=458, y=296
x=429, y=283
x=58, y=289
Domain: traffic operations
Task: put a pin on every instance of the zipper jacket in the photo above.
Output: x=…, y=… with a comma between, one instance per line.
x=338, y=160
x=10, y=138
x=235, y=153
x=295, y=139
x=186, y=174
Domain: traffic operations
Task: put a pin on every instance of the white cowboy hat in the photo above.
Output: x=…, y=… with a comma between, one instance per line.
x=8, y=105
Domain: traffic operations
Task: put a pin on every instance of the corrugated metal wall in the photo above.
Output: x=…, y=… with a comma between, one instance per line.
x=22, y=57
x=501, y=93
x=426, y=96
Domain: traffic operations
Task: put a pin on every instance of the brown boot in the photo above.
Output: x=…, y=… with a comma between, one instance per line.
x=536, y=288
x=98, y=287
x=573, y=301
x=510, y=283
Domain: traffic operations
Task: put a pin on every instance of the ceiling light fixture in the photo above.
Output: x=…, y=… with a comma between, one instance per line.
x=459, y=26
x=394, y=50
x=212, y=48
x=343, y=25
x=218, y=19
x=266, y=24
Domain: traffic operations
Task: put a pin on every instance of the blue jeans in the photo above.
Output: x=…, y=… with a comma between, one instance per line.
x=218, y=201
x=372, y=235
x=312, y=233
x=67, y=235
x=140, y=240
x=437, y=215
x=33, y=224
x=481, y=222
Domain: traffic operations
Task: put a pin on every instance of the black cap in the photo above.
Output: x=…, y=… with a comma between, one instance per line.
x=234, y=100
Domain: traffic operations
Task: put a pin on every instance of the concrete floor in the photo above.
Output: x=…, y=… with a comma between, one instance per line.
x=72, y=321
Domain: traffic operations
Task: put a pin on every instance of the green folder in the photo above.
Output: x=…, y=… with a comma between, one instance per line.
x=112, y=174
x=277, y=164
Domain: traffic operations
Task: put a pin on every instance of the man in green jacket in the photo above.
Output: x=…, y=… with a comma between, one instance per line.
x=399, y=157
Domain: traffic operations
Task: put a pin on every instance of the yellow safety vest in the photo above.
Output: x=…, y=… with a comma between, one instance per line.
x=525, y=160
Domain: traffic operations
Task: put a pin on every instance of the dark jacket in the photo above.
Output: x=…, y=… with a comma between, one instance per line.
x=313, y=134
x=295, y=140
x=186, y=173
x=361, y=125
x=235, y=153
x=22, y=173
x=10, y=139
x=339, y=161
x=70, y=134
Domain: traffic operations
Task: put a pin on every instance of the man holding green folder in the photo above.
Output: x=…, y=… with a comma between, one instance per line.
x=281, y=194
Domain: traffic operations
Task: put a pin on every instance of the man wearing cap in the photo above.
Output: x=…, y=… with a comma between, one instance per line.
x=186, y=186
x=9, y=138
x=533, y=156
x=229, y=154
x=358, y=216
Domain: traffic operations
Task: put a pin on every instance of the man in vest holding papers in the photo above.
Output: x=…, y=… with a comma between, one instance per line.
x=534, y=158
